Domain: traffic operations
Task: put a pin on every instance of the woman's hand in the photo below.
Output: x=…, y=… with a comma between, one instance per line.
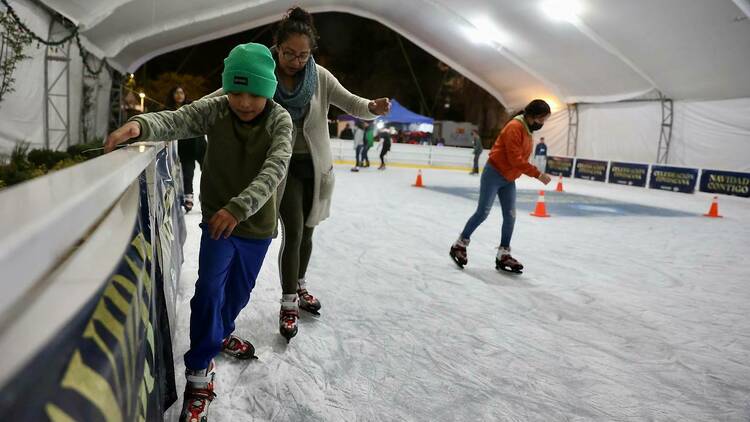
x=221, y=224
x=380, y=106
x=127, y=131
x=544, y=178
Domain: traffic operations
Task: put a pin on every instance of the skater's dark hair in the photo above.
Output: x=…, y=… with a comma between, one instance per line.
x=169, y=103
x=296, y=21
x=536, y=108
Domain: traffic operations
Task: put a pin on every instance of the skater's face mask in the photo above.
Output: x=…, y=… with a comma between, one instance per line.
x=536, y=123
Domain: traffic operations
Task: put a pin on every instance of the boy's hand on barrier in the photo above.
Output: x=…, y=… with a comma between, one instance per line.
x=221, y=224
x=544, y=178
x=127, y=131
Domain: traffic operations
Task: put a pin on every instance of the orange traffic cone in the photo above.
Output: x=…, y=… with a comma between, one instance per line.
x=541, y=208
x=713, y=212
x=418, y=183
x=559, y=185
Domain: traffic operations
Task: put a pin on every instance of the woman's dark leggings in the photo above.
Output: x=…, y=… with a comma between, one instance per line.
x=297, y=238
x=190, y=151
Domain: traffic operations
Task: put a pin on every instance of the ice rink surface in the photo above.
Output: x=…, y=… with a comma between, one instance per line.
x=632, y=307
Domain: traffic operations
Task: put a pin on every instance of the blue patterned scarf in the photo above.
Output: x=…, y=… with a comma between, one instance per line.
x=296, y=101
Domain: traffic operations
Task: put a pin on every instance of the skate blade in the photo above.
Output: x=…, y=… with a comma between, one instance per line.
x=310, y=311
x=228, y=354
x=510, y=270
x=455, y=261
x=289, y=336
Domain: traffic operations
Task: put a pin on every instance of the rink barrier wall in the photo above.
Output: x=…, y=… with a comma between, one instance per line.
x=591, y=170
x=630, y=174
x=87, y=335
x=725, y=182
x=654, y=176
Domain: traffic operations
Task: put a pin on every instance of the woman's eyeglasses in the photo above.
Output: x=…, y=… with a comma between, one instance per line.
x=301, y=57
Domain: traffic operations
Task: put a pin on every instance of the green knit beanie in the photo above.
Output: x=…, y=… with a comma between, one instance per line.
x=250, y=68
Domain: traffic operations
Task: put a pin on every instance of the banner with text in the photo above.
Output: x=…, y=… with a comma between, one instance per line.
x=591, y=170
x=675, y=179
x=725, y=182
x=630, y=174
x=114, y=360
x=560, y=166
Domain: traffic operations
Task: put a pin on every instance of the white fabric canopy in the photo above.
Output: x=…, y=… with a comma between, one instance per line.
x=22, y=112
x=693, y=51
x=706, y=134
x=609, y=50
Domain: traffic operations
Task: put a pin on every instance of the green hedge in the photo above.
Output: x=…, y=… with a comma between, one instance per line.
x=24, y=164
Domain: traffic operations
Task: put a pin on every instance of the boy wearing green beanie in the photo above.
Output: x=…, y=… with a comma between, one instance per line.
x=249, y=146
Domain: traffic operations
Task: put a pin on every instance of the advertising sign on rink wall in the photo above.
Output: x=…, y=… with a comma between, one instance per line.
x=591, y=170
x=725, y=182
x=630, y=174
x=675, y=179
x=560, y=166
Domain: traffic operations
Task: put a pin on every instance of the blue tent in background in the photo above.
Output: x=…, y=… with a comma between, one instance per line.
x=398, y=114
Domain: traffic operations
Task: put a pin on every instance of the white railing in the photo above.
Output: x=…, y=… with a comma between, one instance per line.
x=47, y=271
x=427, y=155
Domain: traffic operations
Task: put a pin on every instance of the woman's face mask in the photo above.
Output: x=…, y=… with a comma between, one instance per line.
x=537, y=123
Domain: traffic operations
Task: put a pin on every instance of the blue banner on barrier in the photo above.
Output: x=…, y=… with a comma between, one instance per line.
x=675, y=179
x=630, y=174
x=559, y=166
x=113, y=360
x=725, y=182
x=591, y=170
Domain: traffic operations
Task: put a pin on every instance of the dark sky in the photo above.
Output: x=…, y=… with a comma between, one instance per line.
x=364, y=55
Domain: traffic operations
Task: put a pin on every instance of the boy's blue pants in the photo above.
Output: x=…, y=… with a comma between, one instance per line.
x=227, y=270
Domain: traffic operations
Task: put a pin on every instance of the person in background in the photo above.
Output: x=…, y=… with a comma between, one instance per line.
x=190, y=150
x=368, y=143
x=359, y=145
x=540, y=155
x=385, y=145
x=476, y=143
x=347, y=132
x=509, y=159
x=332, y=124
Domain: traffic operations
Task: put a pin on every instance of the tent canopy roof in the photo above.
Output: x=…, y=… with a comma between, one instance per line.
x=608, y=50
x=398, y=114
x=401, y=114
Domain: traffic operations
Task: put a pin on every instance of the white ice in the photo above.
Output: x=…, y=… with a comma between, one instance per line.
x=616, y=318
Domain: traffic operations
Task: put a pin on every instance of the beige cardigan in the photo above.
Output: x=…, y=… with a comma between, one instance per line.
x=315, y=128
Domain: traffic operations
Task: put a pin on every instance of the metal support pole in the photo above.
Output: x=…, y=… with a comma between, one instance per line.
x=572, y=147
x=57, y=91
x=665, y=136
x=115, y=102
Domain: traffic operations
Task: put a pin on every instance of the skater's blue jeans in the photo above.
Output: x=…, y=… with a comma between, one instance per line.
x=227, y=269
x=358, y=155
x=493, y=183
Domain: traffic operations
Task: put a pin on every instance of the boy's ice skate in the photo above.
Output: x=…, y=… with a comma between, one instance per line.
x=199, y=392
x=238, y=348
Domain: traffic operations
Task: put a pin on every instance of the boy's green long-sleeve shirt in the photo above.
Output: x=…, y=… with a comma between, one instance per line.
x=244, y=162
